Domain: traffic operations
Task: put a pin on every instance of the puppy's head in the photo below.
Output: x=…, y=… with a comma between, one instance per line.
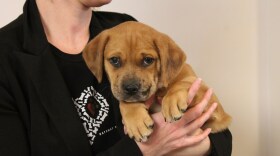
x=136, y=58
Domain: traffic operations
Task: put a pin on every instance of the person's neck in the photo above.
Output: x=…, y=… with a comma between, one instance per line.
x=66, y=24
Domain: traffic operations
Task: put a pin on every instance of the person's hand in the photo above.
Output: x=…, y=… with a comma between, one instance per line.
x=186, y=132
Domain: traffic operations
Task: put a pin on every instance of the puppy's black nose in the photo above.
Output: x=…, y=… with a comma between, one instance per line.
x=131, y=89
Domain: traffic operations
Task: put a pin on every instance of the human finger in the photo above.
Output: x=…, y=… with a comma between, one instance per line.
x=197, y=110
x=193, y=89
x=194, y=139
x=197, y=123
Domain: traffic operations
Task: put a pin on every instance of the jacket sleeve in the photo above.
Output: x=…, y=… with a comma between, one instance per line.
x=13, y=135
x=221, y=143
x=125, y=147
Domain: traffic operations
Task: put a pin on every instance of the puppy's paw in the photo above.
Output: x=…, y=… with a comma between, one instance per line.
x=174, y=105
x=138, y=123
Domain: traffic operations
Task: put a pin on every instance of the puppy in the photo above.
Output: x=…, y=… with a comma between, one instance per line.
x=141, y=62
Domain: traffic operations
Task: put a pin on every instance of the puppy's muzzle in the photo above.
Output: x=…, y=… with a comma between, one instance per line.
x=131, y=87
x=133, y=90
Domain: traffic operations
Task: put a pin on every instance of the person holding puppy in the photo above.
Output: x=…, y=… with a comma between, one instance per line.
x=51, y=104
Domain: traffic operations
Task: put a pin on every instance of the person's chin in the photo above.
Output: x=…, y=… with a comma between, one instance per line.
x=102, y=2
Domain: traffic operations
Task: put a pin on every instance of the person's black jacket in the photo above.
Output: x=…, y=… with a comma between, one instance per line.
x=37, y=115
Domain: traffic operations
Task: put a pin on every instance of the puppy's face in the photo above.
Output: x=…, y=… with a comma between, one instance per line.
x=132, y=64
x=136, y=58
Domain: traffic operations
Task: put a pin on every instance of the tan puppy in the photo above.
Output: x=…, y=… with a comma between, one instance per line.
x=140, y=62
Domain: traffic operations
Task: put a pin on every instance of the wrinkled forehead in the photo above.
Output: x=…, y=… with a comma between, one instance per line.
x=131, y=36
x=132, y=26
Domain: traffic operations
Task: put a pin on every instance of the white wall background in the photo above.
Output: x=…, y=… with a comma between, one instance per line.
x=233, y=45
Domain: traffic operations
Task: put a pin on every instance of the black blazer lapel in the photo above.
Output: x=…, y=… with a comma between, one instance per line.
x=56, y=100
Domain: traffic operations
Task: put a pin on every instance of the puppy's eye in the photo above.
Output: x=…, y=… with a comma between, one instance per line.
x=148, y=61
x=115, y=61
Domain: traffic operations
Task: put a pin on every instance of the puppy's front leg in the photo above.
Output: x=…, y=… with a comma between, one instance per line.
x=137, y=121
x=174, y=103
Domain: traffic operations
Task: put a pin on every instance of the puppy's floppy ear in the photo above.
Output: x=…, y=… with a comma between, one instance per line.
x=94, y=52
x=172, y=59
